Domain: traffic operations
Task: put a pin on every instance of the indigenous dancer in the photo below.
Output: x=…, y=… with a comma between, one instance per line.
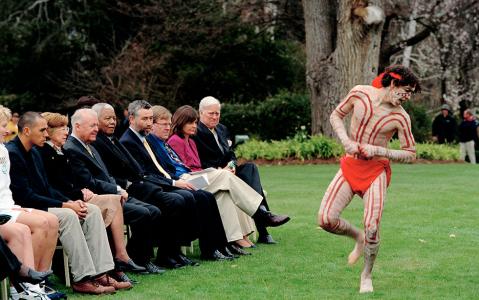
x=376, y=115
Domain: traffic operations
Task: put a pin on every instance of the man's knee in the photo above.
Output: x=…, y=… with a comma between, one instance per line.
x=66, y=216
x=93, y=210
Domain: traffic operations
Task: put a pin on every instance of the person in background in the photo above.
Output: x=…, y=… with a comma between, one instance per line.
x=444, y=126
x=468, y=136
x=12, y=127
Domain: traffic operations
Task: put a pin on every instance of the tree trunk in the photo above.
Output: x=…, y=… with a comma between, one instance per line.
x=340, y=53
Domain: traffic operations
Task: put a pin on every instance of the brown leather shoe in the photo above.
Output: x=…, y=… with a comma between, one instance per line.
x=107, y=281
x=92, y=287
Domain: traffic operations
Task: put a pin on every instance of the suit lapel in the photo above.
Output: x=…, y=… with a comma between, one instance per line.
x=222, y=138
x=85, y=152
x=212, y=141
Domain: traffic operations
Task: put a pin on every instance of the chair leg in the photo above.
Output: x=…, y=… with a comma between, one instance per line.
x=65, y=265
x=186, y=249
x=4, y=289
x=67, y=269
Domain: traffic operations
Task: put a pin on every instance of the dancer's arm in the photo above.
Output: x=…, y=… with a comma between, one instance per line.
x=406, y=139
x=336, y=119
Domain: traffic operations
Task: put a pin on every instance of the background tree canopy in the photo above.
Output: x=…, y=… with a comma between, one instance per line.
x=169, y=52
x=249, y=54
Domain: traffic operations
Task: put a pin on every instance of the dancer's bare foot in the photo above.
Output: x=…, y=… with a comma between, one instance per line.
x=366, y=285
x=357, y=251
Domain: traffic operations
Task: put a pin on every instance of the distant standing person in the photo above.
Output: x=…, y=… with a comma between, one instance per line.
x=468, y=136
x=376, y=115
x=444, y=126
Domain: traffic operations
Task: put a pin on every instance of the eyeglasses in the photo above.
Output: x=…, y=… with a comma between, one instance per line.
x=63, y=128
x=163, y=124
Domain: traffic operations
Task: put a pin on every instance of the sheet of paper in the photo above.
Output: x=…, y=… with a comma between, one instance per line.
x=199, y=182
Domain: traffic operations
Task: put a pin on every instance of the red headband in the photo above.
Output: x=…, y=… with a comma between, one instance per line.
x=377, y=81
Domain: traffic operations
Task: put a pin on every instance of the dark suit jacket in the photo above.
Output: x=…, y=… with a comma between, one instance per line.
x=136, y=148
x=89, y=171
x=209, y=151
x=165, y=160
x=123, y=167
x=59, y=172
x=30, y=187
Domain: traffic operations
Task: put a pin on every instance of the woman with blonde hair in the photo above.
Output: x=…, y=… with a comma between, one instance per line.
x=60, y=176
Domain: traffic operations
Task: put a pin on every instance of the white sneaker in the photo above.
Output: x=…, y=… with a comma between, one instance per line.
x=31, y=292
x=14, y=294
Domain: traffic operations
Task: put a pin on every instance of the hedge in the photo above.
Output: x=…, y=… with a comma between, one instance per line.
x=320, y=147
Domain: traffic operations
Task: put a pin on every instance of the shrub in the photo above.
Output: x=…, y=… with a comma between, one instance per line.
x=430, y=151
x=310, y=148
x=302, y=148
x=420, y=121
x=276, y=118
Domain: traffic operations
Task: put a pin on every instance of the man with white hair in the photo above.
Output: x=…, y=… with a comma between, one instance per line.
x=91, y=172
x=214, y=148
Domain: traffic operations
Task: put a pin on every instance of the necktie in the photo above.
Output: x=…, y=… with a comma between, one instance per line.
x=172, y=154
x=152, y=156
x=89, y=150
x=213, y=131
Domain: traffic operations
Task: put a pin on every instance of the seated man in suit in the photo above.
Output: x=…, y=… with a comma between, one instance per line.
x=82, y=231
x=179, y=213
x=91, y=172
x=214, y=148
x=236, y=200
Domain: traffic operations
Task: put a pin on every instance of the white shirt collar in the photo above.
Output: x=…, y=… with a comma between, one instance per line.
x=142, y=138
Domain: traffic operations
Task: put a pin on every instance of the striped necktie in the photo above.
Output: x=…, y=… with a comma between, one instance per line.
x=153, y=158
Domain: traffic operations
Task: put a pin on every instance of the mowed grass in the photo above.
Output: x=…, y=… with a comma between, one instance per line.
x=429, y=249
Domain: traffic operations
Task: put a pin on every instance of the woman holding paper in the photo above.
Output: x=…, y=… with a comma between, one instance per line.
x=237, y=202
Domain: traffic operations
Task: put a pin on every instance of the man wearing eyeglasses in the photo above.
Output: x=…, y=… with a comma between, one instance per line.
x=214, y=149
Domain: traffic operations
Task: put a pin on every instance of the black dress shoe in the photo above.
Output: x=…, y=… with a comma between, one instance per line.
x=266, y=239
x=33, y=276
x=168, y=262
x=129, y=266
x=122, y=277
x=235, y=249
x=268, y=219
x=181, y=259
x=226, y=252
x=154, y=269
x=215, y=256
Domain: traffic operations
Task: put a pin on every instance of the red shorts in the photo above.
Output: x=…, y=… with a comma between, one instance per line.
x=361, y=173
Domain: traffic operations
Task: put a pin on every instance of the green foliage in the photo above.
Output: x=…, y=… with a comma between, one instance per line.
x=169, y=52
x=298, y=147
x=430, y=151
x=319, y=147
x=420, y=121
x=275, y=118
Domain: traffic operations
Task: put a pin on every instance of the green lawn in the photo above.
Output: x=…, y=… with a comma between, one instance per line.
x=430, y=244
